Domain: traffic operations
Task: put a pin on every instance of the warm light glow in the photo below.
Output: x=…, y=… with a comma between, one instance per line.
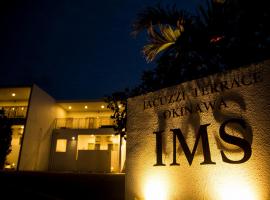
x=61, y=145
x=73, y=138
x=115, y=139
x=235, y=188
x=92, y=139
x=13, y=94
x=13, y=108
x=22, y=127
x=85, y=107
x=69, y=107
x=22, y=108
x=119, y=106
x=102, y=106
x=155, y=189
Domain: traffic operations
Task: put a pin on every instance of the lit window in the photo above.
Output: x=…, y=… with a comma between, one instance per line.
x=91, y=146
x=61, y=145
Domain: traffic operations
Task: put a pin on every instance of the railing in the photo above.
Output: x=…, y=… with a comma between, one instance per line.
x=83, y=123
x=15, y=111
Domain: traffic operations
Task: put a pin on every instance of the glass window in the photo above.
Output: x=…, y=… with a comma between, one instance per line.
x=91, y=146
x=61, y=145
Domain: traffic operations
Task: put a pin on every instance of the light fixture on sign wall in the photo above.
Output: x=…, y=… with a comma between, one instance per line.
x=69, y=107
x=73, y=138
x=102, y=106
x=13, y=94
x=85, y=107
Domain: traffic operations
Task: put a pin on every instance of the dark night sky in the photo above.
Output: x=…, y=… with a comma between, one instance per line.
x=73, y=49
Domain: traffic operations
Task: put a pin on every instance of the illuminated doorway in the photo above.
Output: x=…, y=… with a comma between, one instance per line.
x=12, y=157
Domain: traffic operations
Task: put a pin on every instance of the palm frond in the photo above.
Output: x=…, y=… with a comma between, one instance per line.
x=160, y=40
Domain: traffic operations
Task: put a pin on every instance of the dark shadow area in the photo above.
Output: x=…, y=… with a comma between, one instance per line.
x=44, y=185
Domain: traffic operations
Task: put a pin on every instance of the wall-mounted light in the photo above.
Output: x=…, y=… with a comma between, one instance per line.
x=102, y=106
x=73, y=138
x=13, y=94
x=85, y=107
x=69, y=107
x=119, y=106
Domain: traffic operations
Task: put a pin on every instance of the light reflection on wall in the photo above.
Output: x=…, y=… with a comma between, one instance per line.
x=154, y=190
x=235, y=187
x=156, y=187
x=223, y=186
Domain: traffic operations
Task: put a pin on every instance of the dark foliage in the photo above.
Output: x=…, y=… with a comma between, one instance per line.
x=222, y=35
x=117, y=102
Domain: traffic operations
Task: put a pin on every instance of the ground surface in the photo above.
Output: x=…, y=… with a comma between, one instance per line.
x=44, y=185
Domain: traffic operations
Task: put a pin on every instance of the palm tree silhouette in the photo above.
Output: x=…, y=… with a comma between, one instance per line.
x=222, y=35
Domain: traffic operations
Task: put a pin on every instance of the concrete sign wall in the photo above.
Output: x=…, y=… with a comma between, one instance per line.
x=203, y=139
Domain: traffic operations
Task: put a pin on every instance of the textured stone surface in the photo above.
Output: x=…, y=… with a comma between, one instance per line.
x=245, y=96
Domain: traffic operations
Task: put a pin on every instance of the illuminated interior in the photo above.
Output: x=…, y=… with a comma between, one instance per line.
x=87, y=153
x=84, y=115
x=96, y=143
x=14, y=102
x=12, y=158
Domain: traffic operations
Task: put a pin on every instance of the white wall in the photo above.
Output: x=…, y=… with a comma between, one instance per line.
x=36, y=144
x=248, y=180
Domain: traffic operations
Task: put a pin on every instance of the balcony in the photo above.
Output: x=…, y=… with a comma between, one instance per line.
x=15, y=111
x=83, y=123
